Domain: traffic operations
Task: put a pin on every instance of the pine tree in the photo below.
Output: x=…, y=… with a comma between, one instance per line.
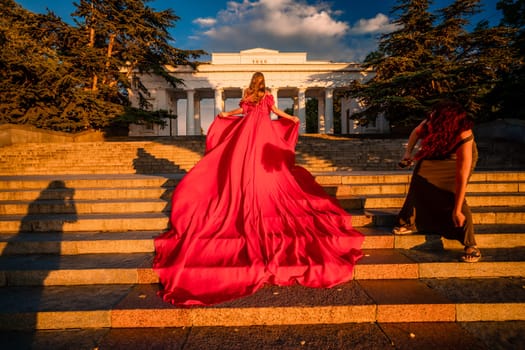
x=507, y=98
x=72, y=78
x=401, y=66
x=429, y=57
x=125, y=37
x=36, y=81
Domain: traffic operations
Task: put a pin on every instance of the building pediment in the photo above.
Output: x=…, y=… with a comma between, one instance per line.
x=258, y=50
x=258, y=56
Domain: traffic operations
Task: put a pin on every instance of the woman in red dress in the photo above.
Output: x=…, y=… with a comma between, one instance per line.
x=246, y=215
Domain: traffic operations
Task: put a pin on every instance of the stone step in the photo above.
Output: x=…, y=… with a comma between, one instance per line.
x=43, y=182
x=97, y=206
x=378, y=196
x=396, y=201
x=487, y=236
x=324, y=178
x=86, y=223
x=406, y=335
x=402, y=189
x=78, y=243
x=99, y=193
x=115, y=222
x=312, y=152
x=363, y=301
x=90, y=270
x=151, y=200
x=120, y=268
x=480, y=216
x=403, y=176
x=362, y=182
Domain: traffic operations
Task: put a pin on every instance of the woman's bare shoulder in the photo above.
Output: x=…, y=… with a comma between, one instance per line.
x=464, y=134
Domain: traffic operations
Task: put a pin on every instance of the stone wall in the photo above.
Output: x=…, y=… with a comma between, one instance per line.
x=12, y=134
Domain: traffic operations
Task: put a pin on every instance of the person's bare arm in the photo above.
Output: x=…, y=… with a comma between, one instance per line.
x=412, y=141
x=230, y=113
x=283, y=114
x=463, y=168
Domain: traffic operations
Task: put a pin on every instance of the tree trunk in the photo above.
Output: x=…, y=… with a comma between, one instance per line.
x=108, y=56
x=92, y=44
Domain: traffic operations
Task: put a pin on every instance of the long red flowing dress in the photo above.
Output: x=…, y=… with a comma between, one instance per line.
x=245, y=215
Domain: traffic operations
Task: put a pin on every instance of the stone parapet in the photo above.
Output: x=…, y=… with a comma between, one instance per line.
x=14, y=134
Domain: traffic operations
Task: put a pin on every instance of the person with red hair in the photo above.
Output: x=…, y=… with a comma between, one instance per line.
x=435, y=202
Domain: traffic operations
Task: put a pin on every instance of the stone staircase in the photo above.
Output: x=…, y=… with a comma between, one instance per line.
x=77, y=223
x=317, y=153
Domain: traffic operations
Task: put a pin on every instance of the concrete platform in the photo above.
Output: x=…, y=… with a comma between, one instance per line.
x=364, y=301
x=374, y=336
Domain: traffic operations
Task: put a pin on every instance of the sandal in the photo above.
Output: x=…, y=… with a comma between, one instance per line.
x=402, y=230
x=472, y=254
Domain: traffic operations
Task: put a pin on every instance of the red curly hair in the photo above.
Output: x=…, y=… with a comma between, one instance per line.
x=440, y=133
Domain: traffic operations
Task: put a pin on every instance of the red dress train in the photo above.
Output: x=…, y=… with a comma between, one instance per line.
x=246, y=215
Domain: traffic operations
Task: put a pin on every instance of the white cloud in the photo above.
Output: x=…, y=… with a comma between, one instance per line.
x=379, y=24
x=205, y=22
x=281, y=18
x=290, y=25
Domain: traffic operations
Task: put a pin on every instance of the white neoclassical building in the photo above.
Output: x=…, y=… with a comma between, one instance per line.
x=218, y=85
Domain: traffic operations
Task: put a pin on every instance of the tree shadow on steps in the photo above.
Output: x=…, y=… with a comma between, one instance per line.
x=147, y=164
x=29, y=257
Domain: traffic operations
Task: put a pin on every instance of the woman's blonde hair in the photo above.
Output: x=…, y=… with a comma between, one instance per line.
x=257, y=88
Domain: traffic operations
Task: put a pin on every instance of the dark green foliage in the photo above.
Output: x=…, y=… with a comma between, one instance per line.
x=71, y=78
x=312, y=116
x=508, y=96
x=432, y=56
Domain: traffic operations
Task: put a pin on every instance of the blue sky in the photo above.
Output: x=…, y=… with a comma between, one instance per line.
x=337, y=30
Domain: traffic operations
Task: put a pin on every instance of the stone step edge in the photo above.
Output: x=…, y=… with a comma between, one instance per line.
x=162, y=318
x=160, y=221
x=481, y=176
x=355, y=213
x=129, y=170
x=139, y=307
x=74, y=243
x=409, y=270
x=154, y=205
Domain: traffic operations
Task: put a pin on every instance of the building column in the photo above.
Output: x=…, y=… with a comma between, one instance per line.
x=219, y=101
x=190, y=105
x=320, y=114
x=382, y=124
x=173, y=110
x=301, y=110
x=197, y=115
x=161, y=99
x=275, y=93
x=161, y=103
x=295, y=105
x=329, y=111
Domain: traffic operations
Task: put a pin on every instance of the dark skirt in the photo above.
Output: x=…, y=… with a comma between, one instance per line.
x=430, y=201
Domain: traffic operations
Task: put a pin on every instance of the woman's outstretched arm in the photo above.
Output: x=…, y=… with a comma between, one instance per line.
x=283, y=114
x=230, y=113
